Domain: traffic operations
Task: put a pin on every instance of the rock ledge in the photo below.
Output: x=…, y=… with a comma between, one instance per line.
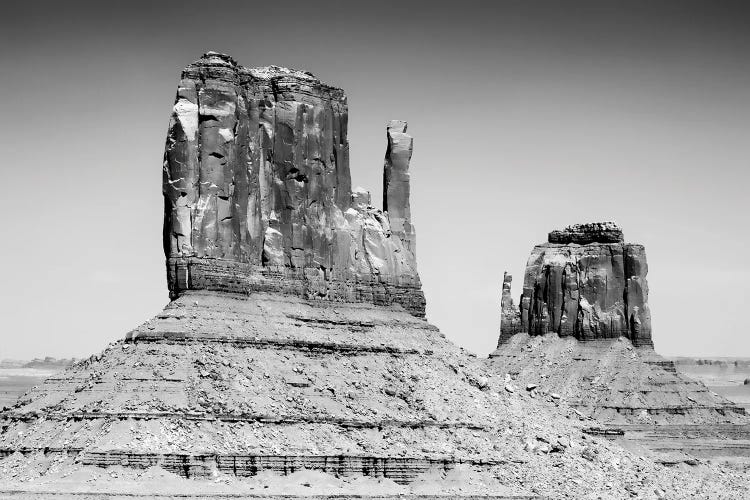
x=583, y=234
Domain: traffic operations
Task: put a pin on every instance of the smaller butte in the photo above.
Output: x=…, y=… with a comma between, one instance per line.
x=585, y=282
x=583, y=333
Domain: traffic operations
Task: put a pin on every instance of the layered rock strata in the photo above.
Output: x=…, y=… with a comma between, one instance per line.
x=241, y=384
x=587, y=284
x=272, y=382
x=584, y=282
x=258, y=195
x=294, y=338
x=583, y=234
x=238, y=387
x=613, y=381
x=633, y=393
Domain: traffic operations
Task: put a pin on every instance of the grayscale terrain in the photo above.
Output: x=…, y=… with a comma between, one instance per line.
x=294, y=358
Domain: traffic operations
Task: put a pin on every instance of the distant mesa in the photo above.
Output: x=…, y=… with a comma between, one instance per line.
x=48, y=362
x=583, y=330
x=585, y=282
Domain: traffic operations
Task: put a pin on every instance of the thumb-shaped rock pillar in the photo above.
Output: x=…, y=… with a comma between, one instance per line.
x=396, y=183
x=510, y=319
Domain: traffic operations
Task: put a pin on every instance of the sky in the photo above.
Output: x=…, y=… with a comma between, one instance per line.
x=527, y=116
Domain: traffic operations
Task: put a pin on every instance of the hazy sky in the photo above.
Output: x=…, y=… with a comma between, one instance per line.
x=526, y=116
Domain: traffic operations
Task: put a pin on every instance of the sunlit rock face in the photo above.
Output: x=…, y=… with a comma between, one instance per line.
x=584, y=282
x=396, y=183
x=258, y=193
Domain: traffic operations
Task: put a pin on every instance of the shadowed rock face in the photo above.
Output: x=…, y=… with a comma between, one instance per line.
x=510, y=319
x=258, y=193
x=592, y=290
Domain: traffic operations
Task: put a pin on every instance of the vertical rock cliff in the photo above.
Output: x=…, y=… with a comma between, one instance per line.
x=396, y=187
x=258, y=194
x=510, y=316
x=585, y=282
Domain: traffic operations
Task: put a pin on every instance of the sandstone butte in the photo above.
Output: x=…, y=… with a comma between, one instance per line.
x=583, y=330
x=585, y=282
x=293, y=359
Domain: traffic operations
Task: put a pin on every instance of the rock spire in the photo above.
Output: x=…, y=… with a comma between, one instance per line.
x=396, y=187
x=510, y=318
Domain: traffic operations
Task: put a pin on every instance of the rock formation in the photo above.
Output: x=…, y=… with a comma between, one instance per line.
x=293, y=347
x=294, y=338
x=396, y=188
x=510, y=316
x=291, y=339
x=584, y=282
x=630, y=392
x=583, y=234
x=258, y=193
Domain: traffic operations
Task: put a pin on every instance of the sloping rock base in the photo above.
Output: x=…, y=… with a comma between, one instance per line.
x=257, y=388
x=629, y=393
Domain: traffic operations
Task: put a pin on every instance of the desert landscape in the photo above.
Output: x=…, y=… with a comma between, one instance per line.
x=294, y=358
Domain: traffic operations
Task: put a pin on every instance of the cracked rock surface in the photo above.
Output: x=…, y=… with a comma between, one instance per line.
x=583, y=334
x=293, y=360
x=258, y=193
x=584, y=282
